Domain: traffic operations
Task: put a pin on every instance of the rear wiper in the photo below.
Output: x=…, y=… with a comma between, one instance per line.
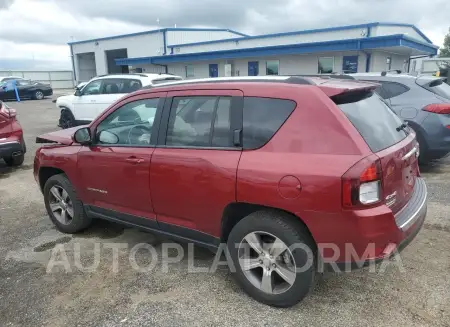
x=403, y=126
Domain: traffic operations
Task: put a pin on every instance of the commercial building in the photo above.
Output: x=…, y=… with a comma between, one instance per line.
x=197, y=52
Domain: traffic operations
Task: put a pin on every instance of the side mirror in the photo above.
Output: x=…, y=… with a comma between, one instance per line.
x=106, y=137
x=77, y=92
x=83, y=136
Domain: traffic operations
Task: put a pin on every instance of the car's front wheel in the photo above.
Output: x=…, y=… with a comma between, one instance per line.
x=274, y=257
x=67, y=120
x=63, y=205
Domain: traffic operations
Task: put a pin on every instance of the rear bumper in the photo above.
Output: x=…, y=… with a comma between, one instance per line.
x=9, y=148
x=376, y=234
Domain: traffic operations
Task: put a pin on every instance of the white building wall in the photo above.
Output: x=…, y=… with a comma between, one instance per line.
x=182, y=37
x=378, y=62
x=272, y=41
x=392, y=30
x=137, y=46
x=289, y=65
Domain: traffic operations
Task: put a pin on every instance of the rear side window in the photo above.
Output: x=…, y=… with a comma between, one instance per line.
x=439, y=87
x=374, y=120
x=263, y=117
x=200, y=121
x=391, y=89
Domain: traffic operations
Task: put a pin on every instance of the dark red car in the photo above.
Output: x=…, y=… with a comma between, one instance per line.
x=289, y=172
x=12, y=145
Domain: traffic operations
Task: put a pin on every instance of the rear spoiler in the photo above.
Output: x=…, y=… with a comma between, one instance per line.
x=333, y=87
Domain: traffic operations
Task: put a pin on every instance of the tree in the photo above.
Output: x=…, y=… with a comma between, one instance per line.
x=445, y=50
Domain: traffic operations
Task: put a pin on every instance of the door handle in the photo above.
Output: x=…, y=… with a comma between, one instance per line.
x=134, y=160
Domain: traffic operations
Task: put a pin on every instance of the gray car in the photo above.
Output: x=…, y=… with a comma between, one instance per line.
x=424, y=102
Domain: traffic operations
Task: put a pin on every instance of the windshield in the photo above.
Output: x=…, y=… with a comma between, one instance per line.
x=375, y=121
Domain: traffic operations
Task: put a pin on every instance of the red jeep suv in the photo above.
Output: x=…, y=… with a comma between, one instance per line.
x=12, y=145
x=288, y=172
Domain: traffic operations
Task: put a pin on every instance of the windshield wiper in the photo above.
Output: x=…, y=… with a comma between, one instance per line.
x=403, y=126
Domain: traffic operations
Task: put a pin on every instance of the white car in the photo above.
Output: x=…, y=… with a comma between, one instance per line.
x=9, y=78
x=99, y=93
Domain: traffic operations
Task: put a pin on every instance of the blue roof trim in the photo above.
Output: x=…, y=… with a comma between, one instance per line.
x=188, y=29
x=327, y=46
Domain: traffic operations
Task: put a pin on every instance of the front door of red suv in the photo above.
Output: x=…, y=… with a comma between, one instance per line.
x=115, y=169
x=193, y=170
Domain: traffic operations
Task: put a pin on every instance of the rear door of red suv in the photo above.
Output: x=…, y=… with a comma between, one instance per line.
x=391, y=141
x=193, y=169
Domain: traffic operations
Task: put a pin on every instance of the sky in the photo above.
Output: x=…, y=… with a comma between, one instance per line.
x=34, y=33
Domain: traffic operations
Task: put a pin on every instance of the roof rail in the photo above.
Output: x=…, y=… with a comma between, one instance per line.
x=257, y=79
x=133, y=74
x=329, y=76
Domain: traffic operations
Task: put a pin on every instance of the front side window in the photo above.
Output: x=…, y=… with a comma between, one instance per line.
x=130, y=124
x=263, y=117
x=200, y=121
x=326, y=65
x=272, y=67
x=92, y=88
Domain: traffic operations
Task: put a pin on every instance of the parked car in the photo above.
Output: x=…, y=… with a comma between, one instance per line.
x=99, y=93
x=12, y=145
x=275, y=167
x=10, y=78
x=422, y=101
x=27, y=89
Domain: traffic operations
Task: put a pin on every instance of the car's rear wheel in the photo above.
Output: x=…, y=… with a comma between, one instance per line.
x=38, y=95
x=67, y=119
x=14, y=161
x=274, y=257
x=63, y=206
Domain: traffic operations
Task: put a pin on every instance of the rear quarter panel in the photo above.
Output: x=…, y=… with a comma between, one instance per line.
x=315, y=146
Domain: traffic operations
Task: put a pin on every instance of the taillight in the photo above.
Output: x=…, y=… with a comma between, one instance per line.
x=361, y=184
x=438, y=108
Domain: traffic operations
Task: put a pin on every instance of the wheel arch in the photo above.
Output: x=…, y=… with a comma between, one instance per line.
x=236, y=211
x=46, y=172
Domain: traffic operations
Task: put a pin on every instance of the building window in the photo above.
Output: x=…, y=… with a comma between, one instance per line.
x=189, y=70
x=272, y=67
x=326, y=65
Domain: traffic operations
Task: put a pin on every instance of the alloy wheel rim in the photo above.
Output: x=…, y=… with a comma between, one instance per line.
x=61, y=205
x=39, y=95
x=267, y=262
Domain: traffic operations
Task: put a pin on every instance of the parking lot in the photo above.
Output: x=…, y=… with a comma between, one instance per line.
x=29, y=296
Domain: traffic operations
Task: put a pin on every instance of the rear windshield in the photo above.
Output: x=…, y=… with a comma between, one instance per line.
x=374, y=120
x=439, y=87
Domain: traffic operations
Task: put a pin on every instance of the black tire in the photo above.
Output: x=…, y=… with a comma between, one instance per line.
x=15, y=161
x=289, y=230
x=38, y=95
x=80, y=220
x=423, y=149
x=67, y=120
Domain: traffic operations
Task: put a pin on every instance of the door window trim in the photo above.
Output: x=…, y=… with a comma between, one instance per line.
x=235, y=120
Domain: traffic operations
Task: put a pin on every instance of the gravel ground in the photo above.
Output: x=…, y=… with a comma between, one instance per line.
x=31, y=296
